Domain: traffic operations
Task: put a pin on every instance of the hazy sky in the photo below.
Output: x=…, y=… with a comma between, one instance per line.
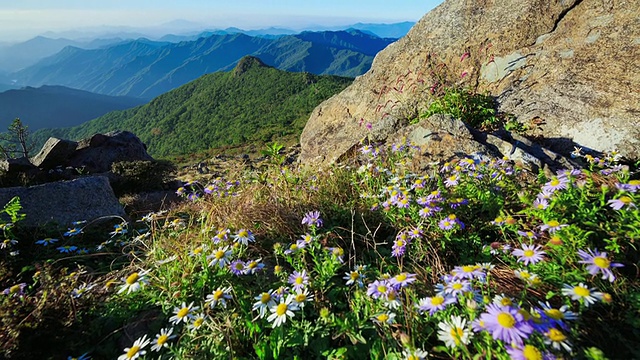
x=22, y=19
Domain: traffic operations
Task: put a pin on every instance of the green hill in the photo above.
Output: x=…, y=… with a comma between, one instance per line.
x=252, y=103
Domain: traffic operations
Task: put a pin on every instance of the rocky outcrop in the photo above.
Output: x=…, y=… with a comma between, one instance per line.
x=564, y=68
x=93, y=155
x=63, y=202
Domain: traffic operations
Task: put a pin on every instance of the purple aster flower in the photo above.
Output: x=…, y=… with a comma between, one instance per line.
x=529, y=254
x=400, y=244
x=528, y=234
x=506, y=323
x=402, y=201
x=540, y=204
x=556, y=183
x=469, y=272
x=598, y=262
x=618, y=204
x=428, y=211
x=552, y=226
x=402, y=280
x=312, y=218
x=253, y=266
x=451, y=181
x=237, y=267
x=435, y=196
x=457, y=287
x=67, y=249
x=527, y=352
x=15, y=290
x=435, y=303
x=244, y=237
x=450, y=222
x=415, y=233
x=458, y=202
x=632, y=186
x=379, y=289
x=299, y=280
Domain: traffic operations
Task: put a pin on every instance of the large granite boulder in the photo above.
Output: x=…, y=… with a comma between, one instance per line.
x=567, y=68
x=62, y=202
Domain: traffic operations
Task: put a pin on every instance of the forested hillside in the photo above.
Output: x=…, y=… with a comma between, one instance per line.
x=253, y=102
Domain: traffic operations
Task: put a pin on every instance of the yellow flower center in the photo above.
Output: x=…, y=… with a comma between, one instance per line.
x=354, y=275
x=528, y=253
x=555, y=181
x=625, y=200
x=506, y=320
x=338, y=252
x=525, y=274
x=252, y=265
x=634, y=182
x=293, y=247
x=401, y=277
x=14, y=289
x=437, y=300
x=281, y=309
x=468, y=268
x=506, y=301
x=457, y=286
x=162, y=339
x=553, y=223
x=452, y=217
x=554, y=314
x=132, y=278
x=197, y=250
x=499, y=219
x=531, y=353
x=301, y=297
x=556, y=335
x=265, y=298
x=382, y=289
x=133, y=351
x=198, y=322
x=183, y=312
x=243, y=234
x=219, y=254
x=217, y=295
x=299, y=280
x=383, y=317
x=456, y=334
x=601, y=262
x=581, y=291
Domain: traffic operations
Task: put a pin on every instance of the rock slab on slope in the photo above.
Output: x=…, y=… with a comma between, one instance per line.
x=63, y=202
x=567, y=66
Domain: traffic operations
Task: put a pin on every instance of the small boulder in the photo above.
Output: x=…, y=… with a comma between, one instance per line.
x=98, y=153
x=54, y=153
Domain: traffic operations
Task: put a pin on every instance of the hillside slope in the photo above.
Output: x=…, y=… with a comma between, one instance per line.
x=252, y=103
x=57, y=106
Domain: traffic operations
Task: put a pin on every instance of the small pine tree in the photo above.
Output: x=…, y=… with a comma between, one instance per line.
x=15, y=140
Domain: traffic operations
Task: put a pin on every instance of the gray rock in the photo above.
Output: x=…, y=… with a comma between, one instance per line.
x=63, y=202
x=98, y=153
x=55, y=152
x=566, y=65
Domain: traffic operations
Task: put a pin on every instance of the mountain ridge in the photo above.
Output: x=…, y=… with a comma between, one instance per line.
x=144, y=68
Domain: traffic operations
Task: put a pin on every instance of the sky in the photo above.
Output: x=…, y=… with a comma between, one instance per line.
x=23, y=19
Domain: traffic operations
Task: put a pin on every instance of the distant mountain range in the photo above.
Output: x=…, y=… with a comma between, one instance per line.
x=145, y=68
x=19, y=56
x=57, y=106
x=253, y=103
x=14, y=57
